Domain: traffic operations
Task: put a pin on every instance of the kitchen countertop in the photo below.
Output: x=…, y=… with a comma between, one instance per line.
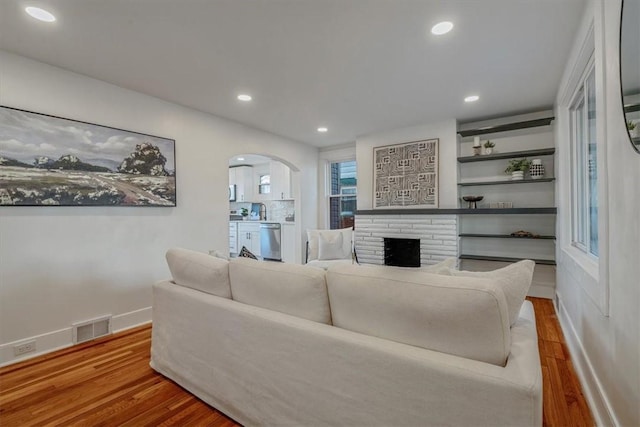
x=256, y=221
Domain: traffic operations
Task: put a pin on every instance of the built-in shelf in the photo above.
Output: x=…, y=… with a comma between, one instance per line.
x=507, y=155
x=507, y=211
x=546, y=121
x=458, y=211
x=506, y=259
x=504, y=181
x=506, y=236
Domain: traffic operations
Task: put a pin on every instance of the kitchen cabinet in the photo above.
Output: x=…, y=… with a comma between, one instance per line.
x=242, y=177
x=233, y=238
x=249, y=237
x=280, y=181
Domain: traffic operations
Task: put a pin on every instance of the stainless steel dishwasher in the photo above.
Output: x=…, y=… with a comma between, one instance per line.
x=270, y=239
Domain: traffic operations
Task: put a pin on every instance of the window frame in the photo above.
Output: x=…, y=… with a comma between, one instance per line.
x=341, y=195
x=580, y=141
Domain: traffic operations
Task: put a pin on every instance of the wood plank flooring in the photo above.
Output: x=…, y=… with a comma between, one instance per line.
x=108, y=382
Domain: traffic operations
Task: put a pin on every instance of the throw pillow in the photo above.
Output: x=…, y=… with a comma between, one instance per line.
x=330, y=246
x=246, y=253
x=515, y=280
x=313, y=237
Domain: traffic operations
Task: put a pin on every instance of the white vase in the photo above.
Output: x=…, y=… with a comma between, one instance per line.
x=635, y=132
x=488, y=150
x=536, y=170
x=517, y=175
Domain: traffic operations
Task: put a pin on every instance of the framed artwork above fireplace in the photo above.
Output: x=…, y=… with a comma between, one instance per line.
x=406, y=175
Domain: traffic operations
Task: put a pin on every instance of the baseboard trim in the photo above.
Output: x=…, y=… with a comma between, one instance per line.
x=600, y=406
x=63, y=338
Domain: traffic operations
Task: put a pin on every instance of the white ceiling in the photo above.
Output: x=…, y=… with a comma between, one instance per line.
x=355, y=66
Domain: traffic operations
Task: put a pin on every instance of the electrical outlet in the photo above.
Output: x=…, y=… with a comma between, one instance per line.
x=25, y=347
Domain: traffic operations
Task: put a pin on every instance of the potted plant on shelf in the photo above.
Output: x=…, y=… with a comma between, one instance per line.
x=517, y=168
x=634, y=130
x=488, y=147
x=244, y=212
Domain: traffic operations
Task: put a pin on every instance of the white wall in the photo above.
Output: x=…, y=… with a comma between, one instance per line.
x=447, y=168
x=60, y=265
x=600, y=305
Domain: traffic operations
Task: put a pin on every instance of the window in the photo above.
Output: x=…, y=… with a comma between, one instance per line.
x=265, y=184
x=342, y=195
x=584, y=170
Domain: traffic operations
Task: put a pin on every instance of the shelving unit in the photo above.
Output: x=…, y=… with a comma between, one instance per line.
x=504, y=236
x=485, y=233
x=506, y=259
x=505, y=182
x=509, y=155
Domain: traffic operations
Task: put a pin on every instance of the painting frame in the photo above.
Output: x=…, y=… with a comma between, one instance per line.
x=48, y=160
x=405, y=175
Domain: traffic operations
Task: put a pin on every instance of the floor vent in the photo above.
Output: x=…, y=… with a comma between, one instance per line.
x=90, y=329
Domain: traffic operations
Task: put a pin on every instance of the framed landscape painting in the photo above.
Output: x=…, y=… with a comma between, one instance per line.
x=406, y=175
x=52, y=161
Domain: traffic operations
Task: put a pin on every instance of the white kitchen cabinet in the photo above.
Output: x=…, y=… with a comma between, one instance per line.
x=288, y=249
x=233, y=238
x=242, y=177
x=249, y=236
x=280, y=181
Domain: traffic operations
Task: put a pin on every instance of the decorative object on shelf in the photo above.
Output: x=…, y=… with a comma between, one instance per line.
x=525, y=234
x=488, y=147
x=517, y=168
x=633, y=128
x=472, y=200
x=406, y=175
x=477, y=148
x=501, y=205
x=53, y=161
x=244, y=212
x=536, y=170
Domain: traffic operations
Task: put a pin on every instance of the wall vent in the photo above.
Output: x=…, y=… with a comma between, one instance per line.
x=90, y=329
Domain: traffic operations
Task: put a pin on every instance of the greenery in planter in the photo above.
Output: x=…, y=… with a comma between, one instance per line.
x=489, y=144
x=518, y=165
x=631, y=125
x=244, y=211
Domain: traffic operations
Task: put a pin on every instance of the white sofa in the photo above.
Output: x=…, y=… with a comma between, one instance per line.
x=353, y=346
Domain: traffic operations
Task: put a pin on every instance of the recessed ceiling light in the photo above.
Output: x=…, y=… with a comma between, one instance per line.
x=442, y=28
x=240, y=159
x=322, y=129
x=40, y=14
x=244, y=97
x=471, y=98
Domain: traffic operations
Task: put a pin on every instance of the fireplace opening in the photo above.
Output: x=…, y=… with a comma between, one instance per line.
x=402, y=252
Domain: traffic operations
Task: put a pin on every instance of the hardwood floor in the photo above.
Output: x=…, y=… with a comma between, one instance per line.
x=108, y=382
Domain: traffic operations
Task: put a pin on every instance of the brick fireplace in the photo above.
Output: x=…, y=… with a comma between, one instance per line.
x=438, y=235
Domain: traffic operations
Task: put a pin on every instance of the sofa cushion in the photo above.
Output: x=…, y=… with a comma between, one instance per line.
x=199, y=271
x=516, y=281
x=463, y=316
x=293, y=289
x=313, y=237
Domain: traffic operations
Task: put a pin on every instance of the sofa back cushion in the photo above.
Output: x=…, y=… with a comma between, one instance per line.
x=297, y=290
x=199, y=271
x=463, y=316
x=516, y=281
